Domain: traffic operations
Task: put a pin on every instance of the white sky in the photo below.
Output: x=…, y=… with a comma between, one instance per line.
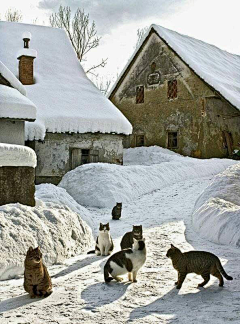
x=213, y=21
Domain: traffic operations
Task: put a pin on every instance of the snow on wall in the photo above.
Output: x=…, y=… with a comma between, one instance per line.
x=216, y=213
x=10, y=77
x=216, y=67
x=102, y=185
x=14, y=105
x=66, y=99
x=59, y=230
x=17, y=155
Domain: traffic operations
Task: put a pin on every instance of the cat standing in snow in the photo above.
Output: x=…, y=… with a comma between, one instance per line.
x=116, y=211
x=104, y=242
x=126, y=261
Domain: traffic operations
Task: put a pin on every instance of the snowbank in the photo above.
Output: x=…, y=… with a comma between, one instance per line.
x=216, y=213
x=17, y=155
x=14, y=105
x=57, y=227
x=102, y=184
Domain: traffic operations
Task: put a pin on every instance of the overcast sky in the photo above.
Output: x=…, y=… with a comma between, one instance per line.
x=213, y=21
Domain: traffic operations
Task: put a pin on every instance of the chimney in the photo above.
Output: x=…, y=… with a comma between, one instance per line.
x=26, y=57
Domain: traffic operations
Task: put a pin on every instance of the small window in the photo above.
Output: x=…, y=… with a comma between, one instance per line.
x=172, y=140
x=172, y=89
x=140, y=94
x=85, y=157
x=140, y=140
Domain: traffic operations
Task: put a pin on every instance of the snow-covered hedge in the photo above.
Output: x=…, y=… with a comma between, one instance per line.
x=17, y=155
x=56, y=224
x=216, y=213
x=102, y=185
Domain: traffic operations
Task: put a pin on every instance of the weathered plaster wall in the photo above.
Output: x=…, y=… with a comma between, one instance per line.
x=17, y=185
x=54, y=154
x=196, y=114
x=12, y=132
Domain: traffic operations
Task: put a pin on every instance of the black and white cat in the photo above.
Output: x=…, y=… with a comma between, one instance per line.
x=126, y=261
x=127, y=239
x=104, y=242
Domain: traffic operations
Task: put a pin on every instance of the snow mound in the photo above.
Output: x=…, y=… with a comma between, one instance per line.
x=55, y=227
x=17, y=155
x=216, y=213
x=102, y=185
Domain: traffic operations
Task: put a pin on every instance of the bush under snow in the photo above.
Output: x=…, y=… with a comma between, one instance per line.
x=216, y=213
x=55, y=224
x=102, y=185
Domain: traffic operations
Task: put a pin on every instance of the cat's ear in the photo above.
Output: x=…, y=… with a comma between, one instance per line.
x=172, y=246
x=38, y=248
x=30, y=249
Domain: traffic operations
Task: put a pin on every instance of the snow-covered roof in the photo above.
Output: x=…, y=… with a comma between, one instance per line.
x=66, y=99
x=10, y=77
x=216, y=67
x=14, y=105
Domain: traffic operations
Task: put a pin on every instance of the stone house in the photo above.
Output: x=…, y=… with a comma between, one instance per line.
x=75, y=123
x=181, y=93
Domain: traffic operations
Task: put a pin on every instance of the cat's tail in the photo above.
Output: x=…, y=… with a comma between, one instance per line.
x=222, y=271
x=107, y=278
x=90, y=252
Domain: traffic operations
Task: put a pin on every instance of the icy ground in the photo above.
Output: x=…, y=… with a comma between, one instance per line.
x=81, y=296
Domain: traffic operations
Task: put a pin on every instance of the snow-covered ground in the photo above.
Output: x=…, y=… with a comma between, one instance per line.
x=80, y=294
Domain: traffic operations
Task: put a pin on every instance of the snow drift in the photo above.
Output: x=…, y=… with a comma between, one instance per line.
x=216, y=213
x=102, y=185
x=57, y=227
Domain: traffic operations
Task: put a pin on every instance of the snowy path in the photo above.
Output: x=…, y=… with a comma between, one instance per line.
x=81, y=296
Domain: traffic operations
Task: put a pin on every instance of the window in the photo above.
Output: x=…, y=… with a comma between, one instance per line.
x=139, y=140
x=82, y=156
x=85, y=157
x=172, y=140
x=172, y=89
x=140, y=94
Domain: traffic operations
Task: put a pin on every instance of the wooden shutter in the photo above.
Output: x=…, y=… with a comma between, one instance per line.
x=75, y=158
x=94, y=156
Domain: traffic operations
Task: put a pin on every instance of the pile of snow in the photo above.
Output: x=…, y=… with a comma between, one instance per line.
x=56, y=226
x=27, y=52
x=17, y=155
x=10, y=77
x=102, y=184
x=66, y=99
x=216, y=213
x=14, y=105
x=223, y=74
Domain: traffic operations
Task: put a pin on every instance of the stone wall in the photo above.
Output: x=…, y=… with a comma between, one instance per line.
x=12, y=132
x=198, y=114
x=17, y=185
x=60, y=153
x=26, y=70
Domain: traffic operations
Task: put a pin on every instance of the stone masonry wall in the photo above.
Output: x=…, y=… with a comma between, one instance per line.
x=26, y=70
x=198, y=114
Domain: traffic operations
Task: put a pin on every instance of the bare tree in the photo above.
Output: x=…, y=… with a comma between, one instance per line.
x=81, y=32
x=140, y=33
x=13, y=15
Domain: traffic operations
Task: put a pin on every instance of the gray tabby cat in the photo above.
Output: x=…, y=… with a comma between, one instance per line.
x=37, y=281
x=199, y=262
x=104, y=242
x=116, y=211
x=127, y=240
x=126, y=261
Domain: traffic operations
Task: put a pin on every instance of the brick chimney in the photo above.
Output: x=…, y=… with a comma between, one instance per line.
x=26, y=57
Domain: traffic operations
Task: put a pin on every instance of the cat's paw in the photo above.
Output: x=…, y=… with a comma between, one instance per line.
x=175, y=283
x=135, y=280
x=178, y=286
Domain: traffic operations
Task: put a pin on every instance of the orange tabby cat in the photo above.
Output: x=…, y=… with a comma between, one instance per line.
x=37, y=281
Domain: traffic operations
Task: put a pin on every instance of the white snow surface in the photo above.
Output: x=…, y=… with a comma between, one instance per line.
x=11, y=78
x=81, y=296
x=17, y=155
x=217, y=67
x=66, y=99
x=216, y=213
x=27, y=52
x=14, y=105
x=56, y=224
x=102, y=185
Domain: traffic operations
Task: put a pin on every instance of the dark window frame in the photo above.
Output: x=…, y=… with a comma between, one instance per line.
x=142, y=140
x=171, y=138
x=139, y=94
x=172, y=89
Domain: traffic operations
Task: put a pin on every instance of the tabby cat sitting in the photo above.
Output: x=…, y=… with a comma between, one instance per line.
x=37, y=281
x=117, y=211
x=127, y=240
x=199, y=262
x=104, y=242
x=126, y=261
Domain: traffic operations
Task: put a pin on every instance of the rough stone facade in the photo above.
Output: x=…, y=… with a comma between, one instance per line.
x=60, y=153
x=12, y=131
x=26, y=70
x=17, y=185
x=204, y=124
